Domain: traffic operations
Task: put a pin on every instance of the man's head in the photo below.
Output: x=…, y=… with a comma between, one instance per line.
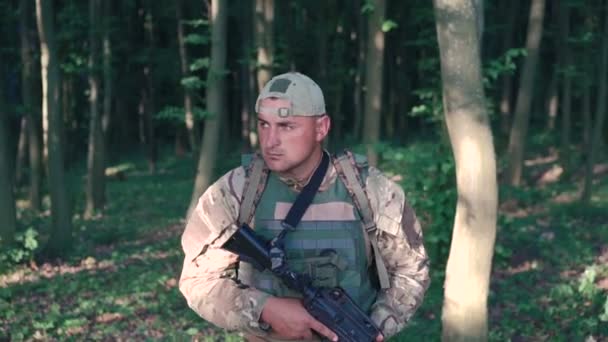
x=292, y=124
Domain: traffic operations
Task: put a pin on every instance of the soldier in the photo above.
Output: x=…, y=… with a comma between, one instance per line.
x=359, y=232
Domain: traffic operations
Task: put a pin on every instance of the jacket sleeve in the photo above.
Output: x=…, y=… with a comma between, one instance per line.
x=400, y=243
x=208, y=279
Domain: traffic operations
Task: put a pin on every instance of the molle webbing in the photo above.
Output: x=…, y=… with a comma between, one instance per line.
x=345, y=167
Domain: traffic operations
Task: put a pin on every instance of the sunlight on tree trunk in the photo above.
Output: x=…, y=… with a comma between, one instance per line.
x=61, y=231
x=33, y=128
x=519, y=129
x=216, y=84
x=467, y=281
x=373, y=81
x=552, y=102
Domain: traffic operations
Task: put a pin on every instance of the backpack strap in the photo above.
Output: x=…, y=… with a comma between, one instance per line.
x=257, y=173
x=346, y=168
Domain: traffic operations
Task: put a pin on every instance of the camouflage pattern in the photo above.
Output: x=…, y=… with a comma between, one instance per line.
x=209, y=281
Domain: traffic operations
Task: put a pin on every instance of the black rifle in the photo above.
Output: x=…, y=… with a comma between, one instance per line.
x=330, y=306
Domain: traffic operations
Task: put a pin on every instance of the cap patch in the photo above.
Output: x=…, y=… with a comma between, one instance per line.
x=280, y=85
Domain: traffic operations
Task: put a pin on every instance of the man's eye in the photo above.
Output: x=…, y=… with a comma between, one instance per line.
x=263, y=124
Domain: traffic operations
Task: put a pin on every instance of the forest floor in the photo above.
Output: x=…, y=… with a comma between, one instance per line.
x=549, y=281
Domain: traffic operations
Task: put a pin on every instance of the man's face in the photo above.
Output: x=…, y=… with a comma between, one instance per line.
x=288, y=144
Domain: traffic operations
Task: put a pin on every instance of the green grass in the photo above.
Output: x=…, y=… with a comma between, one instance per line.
x=120, y=279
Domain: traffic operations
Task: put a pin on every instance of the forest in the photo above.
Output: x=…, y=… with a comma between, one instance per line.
x=115, y=116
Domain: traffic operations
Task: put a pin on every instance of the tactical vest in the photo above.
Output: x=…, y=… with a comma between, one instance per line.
x=329, y=244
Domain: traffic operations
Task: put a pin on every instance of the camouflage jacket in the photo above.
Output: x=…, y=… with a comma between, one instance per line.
x=211, y=292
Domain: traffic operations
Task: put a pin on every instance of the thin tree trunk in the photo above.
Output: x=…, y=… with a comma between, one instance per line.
x=566, y=105
x=8, y=212
x=507, y=79
x=247, y=80
x=191, y=126
x=588, y=77
x=373, y=81
x=149, y=104
x=216, y=86
x=600, y=115
x=358, y=99
x=108, y=89
x=94, y=197
x=264, y=40
x=33, y=128
x=519, y=130
x=469, y=264
x=21, y=150
x=61, y=231
x=552, y=105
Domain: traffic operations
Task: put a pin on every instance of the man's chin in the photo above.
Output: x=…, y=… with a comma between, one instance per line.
x=274, y=165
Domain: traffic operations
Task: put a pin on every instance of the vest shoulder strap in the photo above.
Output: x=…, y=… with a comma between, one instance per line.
x=348, y=168
x=255, y=181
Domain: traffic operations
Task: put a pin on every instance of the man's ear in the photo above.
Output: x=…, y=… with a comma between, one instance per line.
x=322, y=126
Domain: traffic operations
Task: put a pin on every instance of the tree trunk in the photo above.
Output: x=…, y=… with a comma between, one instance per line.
x=95, y=167
x=7, y=195
x=108, y=91
x=566, y=104
x=600, y=115
x=21, y=150
x=191, y=126
x=507, y=79
x=469, y=264
x=148, y=98
x=358, y=98
x=248, y=134
x=373, y=81
x=552, y=106
x=61, y=229
x=33, y=128
x=264, y=40
x=216, y=85
x=519, y=129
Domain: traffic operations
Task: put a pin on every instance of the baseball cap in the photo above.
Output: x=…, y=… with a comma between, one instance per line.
x=305, y=96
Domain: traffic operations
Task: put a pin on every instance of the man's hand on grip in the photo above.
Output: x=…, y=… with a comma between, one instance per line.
x=290, y=320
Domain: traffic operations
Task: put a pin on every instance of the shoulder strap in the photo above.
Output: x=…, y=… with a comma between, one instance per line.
x=345, y=165
x=257, y=173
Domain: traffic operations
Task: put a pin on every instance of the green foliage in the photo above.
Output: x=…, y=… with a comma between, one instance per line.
x=604, y=315
x=199, y=63
x=23, y=249
x=503, y=65
x=193, y=83
x=388, y=25
x=177, y=114
x=368, y=7
x=196, y=39
x=429, y=181
x=429, y=105
x=587, y=282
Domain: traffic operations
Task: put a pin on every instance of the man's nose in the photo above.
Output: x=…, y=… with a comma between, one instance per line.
x=273, y=138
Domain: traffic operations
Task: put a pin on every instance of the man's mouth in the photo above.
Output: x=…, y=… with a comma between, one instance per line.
x=273, y=156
